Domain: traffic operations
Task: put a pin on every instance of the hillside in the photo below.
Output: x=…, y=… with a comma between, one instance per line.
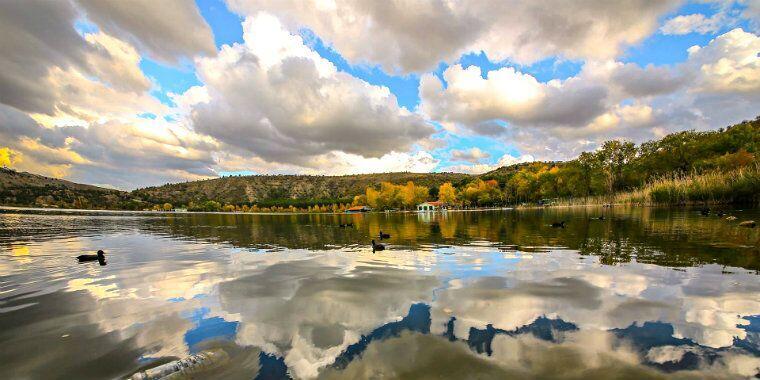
x=32, y=190
x=267, y=188
x=686, y=164
x=27, y=189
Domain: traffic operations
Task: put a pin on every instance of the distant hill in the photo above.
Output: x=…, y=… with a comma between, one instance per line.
x=267, y=188
x=27, y=189
x=615, y=167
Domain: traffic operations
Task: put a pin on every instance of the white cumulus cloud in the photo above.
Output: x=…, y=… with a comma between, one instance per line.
x=693, y=23
x=717, y=85
x=414, y=36
x=275, y=98
x=480, y=168
x=470, y=155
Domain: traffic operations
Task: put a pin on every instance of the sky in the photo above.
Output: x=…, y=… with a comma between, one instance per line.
x=128, y=94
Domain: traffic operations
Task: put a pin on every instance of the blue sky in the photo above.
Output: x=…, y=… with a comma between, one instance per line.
x=658, y=49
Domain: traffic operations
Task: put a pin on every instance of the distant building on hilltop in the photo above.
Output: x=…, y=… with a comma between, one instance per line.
x=431, y=206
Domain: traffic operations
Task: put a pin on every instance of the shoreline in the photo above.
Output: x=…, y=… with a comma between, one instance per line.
x=73, y=211
x=706, y=204
x=69, y=211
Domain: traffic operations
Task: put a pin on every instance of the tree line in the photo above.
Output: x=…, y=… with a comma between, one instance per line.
x=620, y=166
x=616, y=167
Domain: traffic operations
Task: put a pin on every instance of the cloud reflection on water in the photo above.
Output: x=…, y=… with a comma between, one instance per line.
x=163, y=295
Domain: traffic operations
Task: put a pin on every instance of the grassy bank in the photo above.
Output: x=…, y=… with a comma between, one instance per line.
x=740, y=186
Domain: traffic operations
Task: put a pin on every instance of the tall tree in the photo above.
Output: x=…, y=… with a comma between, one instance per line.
x=613, y=156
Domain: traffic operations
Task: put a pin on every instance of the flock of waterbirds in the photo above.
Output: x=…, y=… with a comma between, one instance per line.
x=100, y=257
x=703, y=212
x=721, y=213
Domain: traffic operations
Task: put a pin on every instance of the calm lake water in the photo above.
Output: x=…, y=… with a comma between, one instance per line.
x=645, y=293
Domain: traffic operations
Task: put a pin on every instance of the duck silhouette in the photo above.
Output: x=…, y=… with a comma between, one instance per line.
x=383, y=236
x=377, y=246
x=705, y=211
x=99, y=257
x=559, y=224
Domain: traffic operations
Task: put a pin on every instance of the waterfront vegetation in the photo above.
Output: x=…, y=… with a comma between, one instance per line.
x=740, y=186
x=688, y=167
x=736, y=186
x=682, y=168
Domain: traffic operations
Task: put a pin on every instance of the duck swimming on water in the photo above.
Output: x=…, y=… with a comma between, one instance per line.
x=559, y=224
x=99, y=257
x=377, y=246
x=383, y=236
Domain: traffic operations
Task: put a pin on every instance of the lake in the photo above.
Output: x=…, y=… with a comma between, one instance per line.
x=644, y=293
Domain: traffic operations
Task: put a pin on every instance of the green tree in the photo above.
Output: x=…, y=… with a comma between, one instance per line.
x=613, y=156
x=209, y=206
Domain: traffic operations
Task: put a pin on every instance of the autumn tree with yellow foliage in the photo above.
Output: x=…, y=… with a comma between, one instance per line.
x=482, y=193
x=392, y=196
x=411, y=195
x=7, y=157
x=448, y=194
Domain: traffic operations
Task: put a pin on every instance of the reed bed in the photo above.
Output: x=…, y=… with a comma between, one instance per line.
x=738, y=186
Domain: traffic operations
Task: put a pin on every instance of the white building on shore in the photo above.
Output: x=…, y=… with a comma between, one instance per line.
x=431, y=206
